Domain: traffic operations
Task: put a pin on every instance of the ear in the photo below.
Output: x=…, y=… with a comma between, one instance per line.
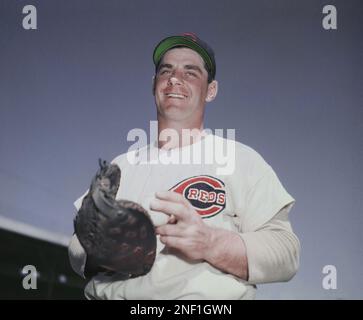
x=153, y=85
x=212, y=91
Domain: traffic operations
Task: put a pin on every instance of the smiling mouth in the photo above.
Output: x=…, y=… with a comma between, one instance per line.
x=175, y=95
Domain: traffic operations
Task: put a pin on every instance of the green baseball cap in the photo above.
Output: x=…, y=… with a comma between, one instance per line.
x=189, y=40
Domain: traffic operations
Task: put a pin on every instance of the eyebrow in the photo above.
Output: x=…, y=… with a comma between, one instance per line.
x=165, y=65
x=187, y=66
x=193, y=67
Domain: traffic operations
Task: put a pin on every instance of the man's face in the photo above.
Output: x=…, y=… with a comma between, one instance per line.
x=181, y=86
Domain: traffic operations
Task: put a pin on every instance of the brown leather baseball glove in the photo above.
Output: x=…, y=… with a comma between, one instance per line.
x=118, y=236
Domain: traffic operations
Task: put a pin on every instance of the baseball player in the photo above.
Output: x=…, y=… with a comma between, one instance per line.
x=219, y=232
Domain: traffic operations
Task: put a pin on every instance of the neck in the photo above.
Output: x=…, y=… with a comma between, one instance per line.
x=174, y=134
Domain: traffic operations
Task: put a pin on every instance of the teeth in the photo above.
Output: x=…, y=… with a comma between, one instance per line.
x=174, y=95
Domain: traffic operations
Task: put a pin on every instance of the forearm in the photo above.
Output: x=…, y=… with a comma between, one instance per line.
x=227, y=252
x=269, y=254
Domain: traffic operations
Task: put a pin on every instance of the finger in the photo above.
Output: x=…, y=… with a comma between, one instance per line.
x=169, y=208
x=171, y=196
x=169, y=230
x=172, y=242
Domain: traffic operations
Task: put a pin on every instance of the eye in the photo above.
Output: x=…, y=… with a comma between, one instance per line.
x=189, y=73
x=165, y=71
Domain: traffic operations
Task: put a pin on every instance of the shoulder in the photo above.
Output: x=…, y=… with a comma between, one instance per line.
x=251, y=156
x=244, y=154
x=247, y=163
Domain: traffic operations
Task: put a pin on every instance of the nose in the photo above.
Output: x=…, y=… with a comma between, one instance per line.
x=174, y=79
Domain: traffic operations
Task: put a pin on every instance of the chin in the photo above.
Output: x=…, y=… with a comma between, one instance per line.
x=178, y=105
x=175, y=113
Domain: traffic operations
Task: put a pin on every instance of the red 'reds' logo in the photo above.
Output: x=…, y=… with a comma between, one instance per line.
x=205, y=193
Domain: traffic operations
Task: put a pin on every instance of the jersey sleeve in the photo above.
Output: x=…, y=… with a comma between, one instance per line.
x=258, y=192
x=264, y=200
x=77, y=255
x=273, y=251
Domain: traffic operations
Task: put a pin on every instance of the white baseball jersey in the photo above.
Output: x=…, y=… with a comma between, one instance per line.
x=239, y=195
